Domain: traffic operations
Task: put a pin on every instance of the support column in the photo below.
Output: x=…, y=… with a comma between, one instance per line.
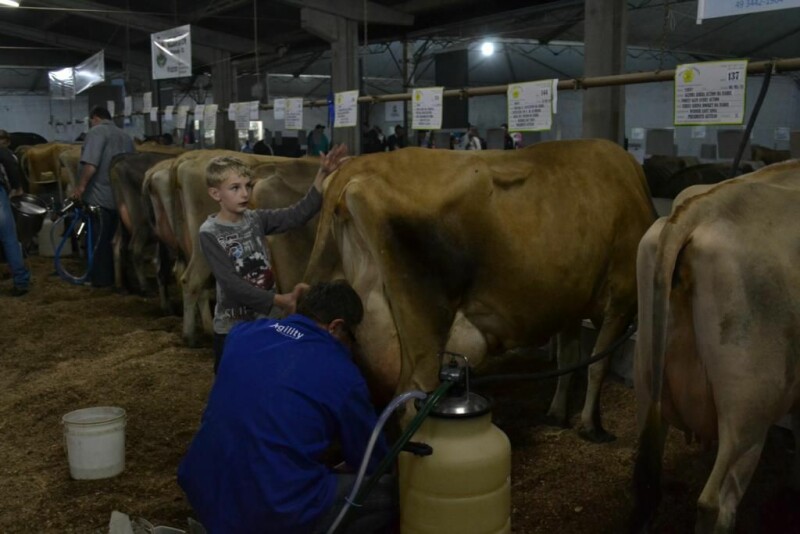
x=222, y=82
x=342, y=33
x=605, y=45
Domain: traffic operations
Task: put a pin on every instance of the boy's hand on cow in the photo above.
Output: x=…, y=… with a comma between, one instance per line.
x=288, y=301
x=329, y=163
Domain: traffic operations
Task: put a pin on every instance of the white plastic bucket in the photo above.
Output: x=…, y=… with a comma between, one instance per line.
x=95, y=442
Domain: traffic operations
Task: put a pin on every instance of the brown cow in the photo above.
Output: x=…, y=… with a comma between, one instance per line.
x=718, y=333
x=44, y=158
x=523, y=243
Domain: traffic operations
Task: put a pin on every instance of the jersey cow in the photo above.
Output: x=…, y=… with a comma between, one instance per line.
x=522, y=245
x=718, y=333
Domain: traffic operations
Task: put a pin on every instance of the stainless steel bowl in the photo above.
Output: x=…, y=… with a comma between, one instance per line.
x=29, y=213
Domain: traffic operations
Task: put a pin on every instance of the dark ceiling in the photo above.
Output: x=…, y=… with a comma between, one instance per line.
x=47, y=34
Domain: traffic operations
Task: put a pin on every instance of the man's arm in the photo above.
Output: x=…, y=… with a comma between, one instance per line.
x=356, y=423
x=87, y=172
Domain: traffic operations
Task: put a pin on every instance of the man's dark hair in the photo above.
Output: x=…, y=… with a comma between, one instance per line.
x=327, y=301
x=101, y=112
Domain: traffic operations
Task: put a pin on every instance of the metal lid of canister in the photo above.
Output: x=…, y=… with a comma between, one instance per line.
x=460, y=406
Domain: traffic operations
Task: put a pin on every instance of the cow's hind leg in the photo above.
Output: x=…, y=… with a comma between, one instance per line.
x=568, y=351
x=740, y=445
x=591, y=422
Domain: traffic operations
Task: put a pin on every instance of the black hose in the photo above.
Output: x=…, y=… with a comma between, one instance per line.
x=558, y=372
x=752, y=121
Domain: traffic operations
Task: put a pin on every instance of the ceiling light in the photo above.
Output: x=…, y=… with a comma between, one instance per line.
x=9, y=3
x=487, y=48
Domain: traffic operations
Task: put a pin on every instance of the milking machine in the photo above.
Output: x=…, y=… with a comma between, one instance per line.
x=80, y=218
x=455, y=476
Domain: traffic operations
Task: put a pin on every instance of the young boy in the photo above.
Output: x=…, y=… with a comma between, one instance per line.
x=232, y=242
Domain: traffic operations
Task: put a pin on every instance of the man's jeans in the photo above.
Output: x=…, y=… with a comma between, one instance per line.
x=105, y=226
x=11, y=247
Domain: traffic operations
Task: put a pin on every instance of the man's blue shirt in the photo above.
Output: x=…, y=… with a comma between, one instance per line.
x=285, y=390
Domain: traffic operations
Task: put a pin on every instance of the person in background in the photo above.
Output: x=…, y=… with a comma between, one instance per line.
x=10, y=186
x=232, y=241
x=373, y=141
x=397, y=139
x=508, y=141
x=473, y=139
x=104, y=141
x=286, y=392
x=318, y=143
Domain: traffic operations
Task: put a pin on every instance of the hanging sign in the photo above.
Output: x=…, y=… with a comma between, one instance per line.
x=62, y=84
x=233, y=109
x=637, y=133
x=279, y=108
x=90, y=72
x=243, y=114
x=147, y=102
x=782, y=133
x=698, y=132
x=172, y=53
x=346, y=109
x=180, y=117
x=153, y=114
x=168, y=113
x=128, y=106
x=293, y=115
x=531, y=105
x=210, y=117
x=110, y=107
x=710, y=93
x=254, y=110
x=426, y=112
x=394, y=111
x=709, y=9
x=199, y=109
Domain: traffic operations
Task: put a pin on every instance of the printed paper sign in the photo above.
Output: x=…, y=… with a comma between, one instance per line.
x=153, y=114
x=172, y=53
x=180, y=117
x=293, y=115
x=242, y=115
x=254, y=106
x=637, y=133
x=530, y=106
x=199, y=109
x=110, y=107
x=233, y=108
x=279, y=108
x=709, y=9
x=128, y=106
x=698, y=132
x=394, y=111
x=426, y=111
x=710, y=93
x=346, y=109
x=782, y=133
x=210, y=117
x=147, y=102
x=168, y=113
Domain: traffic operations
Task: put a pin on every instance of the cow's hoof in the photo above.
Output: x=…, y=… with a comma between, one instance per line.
x=556, y=421
x=597, y=435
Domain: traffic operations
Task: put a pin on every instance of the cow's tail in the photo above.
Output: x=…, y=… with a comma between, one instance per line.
x=673, y=237
x=323, y=260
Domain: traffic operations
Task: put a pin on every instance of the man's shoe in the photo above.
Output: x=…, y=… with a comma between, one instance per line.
x=18, y=291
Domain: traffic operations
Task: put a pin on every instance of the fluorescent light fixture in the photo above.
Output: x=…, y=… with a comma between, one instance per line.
x=487, y=48
x=9, y=3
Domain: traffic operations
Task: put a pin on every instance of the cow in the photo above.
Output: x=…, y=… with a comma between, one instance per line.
x=716, y=352
x=768, y=155
x=126, y=174
x=517, y=245
x=69, y=160
x=19, y=139
x=39, y=159
x=704, y=173
x=186, y=198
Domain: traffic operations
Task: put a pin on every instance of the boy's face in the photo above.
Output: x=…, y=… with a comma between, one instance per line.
x=233, y=195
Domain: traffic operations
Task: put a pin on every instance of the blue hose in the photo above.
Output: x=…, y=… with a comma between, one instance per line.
x=79, y=215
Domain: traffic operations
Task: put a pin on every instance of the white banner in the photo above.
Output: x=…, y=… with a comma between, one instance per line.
x=168, y=110
x=346, y=109
x=210, y=117
x=147, y=102
x=709, y=9
x=90, y=72
x=293, y=115
x=128, y=106
x=710, y=93
x=394, y=111
x=279, y=108
x=426, y=113
x=172, y=53
x=153, y=114
x=110, y=107
x=180, y=117
x=530, y=106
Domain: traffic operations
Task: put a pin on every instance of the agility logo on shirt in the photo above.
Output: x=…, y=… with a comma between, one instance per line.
x=288, y=331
